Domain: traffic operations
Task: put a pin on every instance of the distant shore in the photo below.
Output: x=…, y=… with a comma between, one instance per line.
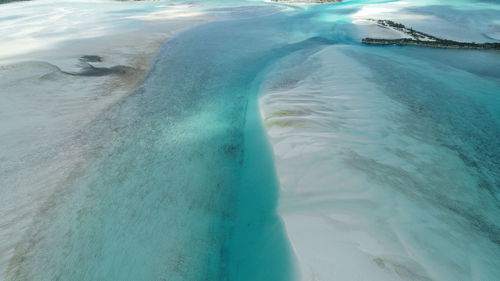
x=417, y=38
x=307, y=1
x=445, y=44
x=8, y=1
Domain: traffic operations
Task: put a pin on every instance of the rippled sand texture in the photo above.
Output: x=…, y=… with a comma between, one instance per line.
x=45, y=112
x=386, y=158
x=387, y=161
x=178, y=183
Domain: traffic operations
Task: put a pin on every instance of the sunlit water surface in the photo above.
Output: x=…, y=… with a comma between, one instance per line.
x=181, y=184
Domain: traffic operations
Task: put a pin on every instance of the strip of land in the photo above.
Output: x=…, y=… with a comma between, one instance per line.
x=417, y=38
x=8, y=1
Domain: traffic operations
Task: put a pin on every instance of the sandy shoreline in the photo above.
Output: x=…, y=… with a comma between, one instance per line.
x=45, y=110
x=342, y=162
x=325, y=132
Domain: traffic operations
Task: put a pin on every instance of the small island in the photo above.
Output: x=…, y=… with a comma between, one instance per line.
x=417, y=38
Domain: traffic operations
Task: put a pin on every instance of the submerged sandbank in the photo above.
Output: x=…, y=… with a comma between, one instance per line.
x=370, y=188
x=170, y=181
x=386, y=156
x=52, y=87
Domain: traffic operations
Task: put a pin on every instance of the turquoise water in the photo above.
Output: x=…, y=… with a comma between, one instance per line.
x=180, y=184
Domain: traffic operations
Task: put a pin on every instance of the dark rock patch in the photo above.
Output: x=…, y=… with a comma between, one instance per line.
x=102, y=71
x=91, y=58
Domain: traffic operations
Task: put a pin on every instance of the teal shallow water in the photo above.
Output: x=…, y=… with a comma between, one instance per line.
x=181, y=184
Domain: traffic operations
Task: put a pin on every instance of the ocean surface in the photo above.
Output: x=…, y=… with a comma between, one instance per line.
x=179, y=181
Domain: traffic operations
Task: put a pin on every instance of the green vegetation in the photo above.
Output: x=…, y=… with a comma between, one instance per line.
x=13, y=270
x=391, y=23
x=280, y=113
x=428, y=40
x=283, y=123
x=440, y=43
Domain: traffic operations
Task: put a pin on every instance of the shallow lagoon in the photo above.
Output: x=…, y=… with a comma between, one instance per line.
x=180, y=184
